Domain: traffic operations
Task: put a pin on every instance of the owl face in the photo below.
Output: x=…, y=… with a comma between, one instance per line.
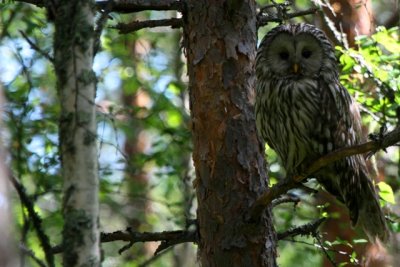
x=295, y=51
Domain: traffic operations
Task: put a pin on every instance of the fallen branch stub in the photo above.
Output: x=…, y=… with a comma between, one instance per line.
x=389, y=139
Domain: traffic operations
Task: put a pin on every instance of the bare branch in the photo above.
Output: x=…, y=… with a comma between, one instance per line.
x=285, y=199
x=35, y=219
x=280, y=15
x=130, y=6
x=389, y=139
x=38, y=3
x=126, y=6
x=36, y=48
x=137, y=25
x=148, y=262
x=167, y=238
x=306, y=229
x=31, y=254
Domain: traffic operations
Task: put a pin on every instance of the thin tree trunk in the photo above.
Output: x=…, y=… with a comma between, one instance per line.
x=73, y=48
x=228, y=156
x=352, y=17
x=7, y=249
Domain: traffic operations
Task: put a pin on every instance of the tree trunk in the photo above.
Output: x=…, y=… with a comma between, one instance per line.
x=73, y=49
x=228, y=155
x=353, y=17
x=7, y=244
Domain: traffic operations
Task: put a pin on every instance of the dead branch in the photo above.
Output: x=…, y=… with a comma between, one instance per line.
x=281, y=13
x=130, y=6
x=306, y=229
x=137, y=25
x=386, y=140
x=126, y=6
x=167, y=238
x=285, y=199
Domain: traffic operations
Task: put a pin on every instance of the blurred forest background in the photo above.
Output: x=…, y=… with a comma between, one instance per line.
x=144, y=137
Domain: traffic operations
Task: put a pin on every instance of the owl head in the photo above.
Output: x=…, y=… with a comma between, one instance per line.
x=295, y=51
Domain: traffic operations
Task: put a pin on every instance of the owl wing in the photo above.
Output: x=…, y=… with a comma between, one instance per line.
x=339, y=123
x=340, y=127
x=348, y=179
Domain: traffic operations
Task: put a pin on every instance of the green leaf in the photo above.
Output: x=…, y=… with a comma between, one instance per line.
x=386, y=192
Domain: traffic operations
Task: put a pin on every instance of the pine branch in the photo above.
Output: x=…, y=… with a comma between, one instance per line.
x=386, y=140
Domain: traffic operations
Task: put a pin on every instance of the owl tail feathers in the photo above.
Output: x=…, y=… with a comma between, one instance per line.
x=372, y=219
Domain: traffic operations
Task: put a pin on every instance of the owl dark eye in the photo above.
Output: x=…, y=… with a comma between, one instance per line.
x=306, y=53
x=284, y=55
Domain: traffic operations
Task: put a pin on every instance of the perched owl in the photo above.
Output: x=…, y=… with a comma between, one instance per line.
x=303, y=112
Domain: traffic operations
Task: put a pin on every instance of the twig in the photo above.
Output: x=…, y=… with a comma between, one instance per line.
x=390, y=139
x=30, y=253
x=167, y=238
x=316, y=236
x=306, y=229
x=322, y=247
x=36, y=48
x=155, y=257
x=137, y=25
x=35, y=219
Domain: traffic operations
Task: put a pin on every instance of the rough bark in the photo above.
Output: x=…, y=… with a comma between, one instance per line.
x=228, y=156
x=73, y=48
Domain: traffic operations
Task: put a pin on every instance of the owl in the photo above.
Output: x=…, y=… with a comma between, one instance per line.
x=303, y=113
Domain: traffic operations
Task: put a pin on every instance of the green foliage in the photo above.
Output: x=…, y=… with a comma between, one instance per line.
x=141, y=96
x=386, y=192
x=144, y=137
x=372, y=73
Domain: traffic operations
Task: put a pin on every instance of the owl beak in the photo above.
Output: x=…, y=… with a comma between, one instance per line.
x=295, y=68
